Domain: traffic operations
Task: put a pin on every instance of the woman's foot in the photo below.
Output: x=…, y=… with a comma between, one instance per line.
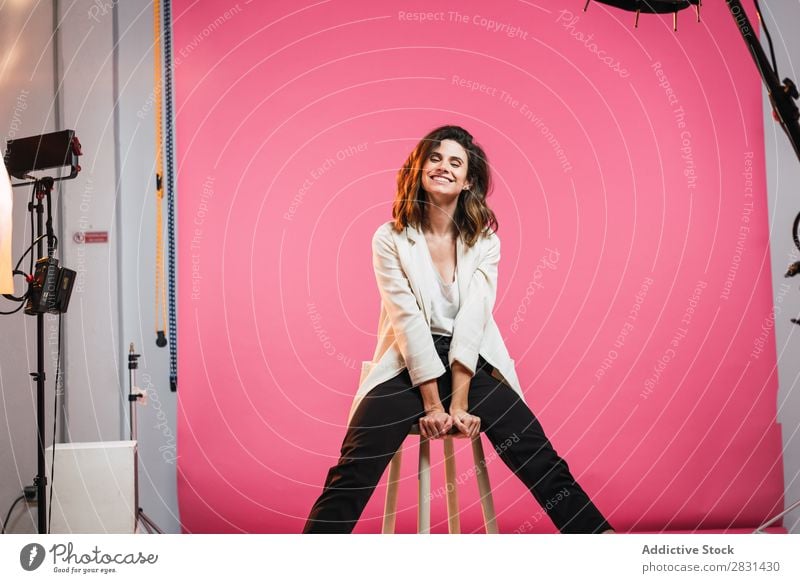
x=609, y=531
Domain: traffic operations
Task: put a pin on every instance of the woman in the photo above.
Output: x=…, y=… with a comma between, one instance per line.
x=440, y=359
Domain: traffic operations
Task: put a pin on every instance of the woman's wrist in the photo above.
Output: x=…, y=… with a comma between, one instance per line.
x=435, y=408
x=429, y=390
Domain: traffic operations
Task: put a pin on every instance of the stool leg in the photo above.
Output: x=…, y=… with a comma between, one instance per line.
x=453, y=519
x=485, y=490
x=390, y=508
x=424, y=477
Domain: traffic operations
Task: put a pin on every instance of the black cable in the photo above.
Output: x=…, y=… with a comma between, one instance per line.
x=23, y=297
x=19, y=307
x=16, y=271
x=49, y=227
x=55, y=424
x=10, y=510
x=31, y=207
x=30, y=248
x=52, y=245
x=795, y=235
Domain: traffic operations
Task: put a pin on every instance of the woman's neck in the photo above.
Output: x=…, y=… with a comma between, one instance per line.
x=440, y=225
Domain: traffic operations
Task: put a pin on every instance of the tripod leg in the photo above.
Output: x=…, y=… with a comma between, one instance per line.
x=151, y=526
x=760, y=529
x=141, y=519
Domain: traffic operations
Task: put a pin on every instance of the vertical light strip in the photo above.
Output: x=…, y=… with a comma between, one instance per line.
x=169, y=159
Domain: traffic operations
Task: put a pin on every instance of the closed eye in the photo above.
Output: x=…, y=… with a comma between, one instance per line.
x=455, y=160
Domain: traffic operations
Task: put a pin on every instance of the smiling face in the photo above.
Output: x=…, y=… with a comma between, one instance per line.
x=444, y=173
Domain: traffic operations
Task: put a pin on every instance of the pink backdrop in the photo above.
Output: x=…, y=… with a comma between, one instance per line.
x=634, y=288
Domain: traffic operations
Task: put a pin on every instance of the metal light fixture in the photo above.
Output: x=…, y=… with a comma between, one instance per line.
x=652, y=7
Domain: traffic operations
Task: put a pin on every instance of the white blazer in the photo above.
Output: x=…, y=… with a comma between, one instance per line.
x=404, y=334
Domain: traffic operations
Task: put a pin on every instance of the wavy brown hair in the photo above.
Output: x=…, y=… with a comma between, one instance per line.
x=472, y=216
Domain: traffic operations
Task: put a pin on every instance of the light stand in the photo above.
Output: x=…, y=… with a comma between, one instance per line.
x=133, y=400
x=42, y=188
x=49, y=286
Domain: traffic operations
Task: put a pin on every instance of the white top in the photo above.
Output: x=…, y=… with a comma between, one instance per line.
x=444, y=298
x=388, y=249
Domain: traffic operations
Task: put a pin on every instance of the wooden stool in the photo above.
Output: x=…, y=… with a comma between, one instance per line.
x=424, y=476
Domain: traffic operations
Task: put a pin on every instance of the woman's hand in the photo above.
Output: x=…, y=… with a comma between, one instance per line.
x=436, y=424
x=468, y=425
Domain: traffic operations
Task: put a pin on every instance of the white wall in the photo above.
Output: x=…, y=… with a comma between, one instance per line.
x=85, y=60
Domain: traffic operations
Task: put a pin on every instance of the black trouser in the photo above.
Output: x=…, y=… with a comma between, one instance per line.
x=381, y=423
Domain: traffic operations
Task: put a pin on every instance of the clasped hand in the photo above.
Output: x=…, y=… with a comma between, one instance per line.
x=436, y=424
